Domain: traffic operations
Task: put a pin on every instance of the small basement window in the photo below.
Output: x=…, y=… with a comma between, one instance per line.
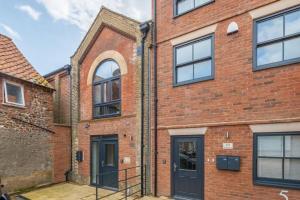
x=13, y=93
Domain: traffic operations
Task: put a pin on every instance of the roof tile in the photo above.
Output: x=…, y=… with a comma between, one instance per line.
x=13, y=63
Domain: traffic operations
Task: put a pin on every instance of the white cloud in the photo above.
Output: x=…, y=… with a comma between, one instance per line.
x=12, y=33
x=82, y=12
x=30, y=11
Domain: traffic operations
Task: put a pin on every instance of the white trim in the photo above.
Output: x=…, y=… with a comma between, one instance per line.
x=273, y=128
x=194, y=35
x=5, y=93
x=273, y=8
x=188, y=131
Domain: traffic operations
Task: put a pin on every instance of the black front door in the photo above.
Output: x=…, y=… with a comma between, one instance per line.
x=104, y=162
x=188, y=167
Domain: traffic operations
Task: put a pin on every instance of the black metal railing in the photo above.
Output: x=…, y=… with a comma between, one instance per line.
x=130, y=182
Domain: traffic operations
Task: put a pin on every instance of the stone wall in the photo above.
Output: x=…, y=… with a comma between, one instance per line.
x=25, y=139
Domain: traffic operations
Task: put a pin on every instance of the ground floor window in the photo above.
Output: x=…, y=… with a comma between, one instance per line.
x=277, y=159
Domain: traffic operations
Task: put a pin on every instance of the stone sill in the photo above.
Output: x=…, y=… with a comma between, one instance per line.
x=107, y=119
x=14, y=105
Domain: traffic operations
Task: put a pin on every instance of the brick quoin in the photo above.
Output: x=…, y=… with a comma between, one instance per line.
x=236, y=98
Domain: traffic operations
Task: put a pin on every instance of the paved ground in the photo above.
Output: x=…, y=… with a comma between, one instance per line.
x=69, y=191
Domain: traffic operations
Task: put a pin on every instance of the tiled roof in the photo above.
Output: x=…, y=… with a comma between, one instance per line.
x=13, y=63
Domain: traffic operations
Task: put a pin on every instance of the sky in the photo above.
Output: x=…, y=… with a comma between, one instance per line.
x=49, y=31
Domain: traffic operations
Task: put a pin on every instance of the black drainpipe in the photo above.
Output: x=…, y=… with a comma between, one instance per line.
x=144, y=28
x=154, y=38
x=68, y=173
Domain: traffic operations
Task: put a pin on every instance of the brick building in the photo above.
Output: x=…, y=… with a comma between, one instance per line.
x=228, y=99
x=26, y=127
x=106, y=100
x=60, y=80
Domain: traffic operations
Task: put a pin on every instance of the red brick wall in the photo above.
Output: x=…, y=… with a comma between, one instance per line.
x=109, y=40
x=237, y=95
x=61, y=82
x=223, y=185
x=124, y=126
x=61, y=142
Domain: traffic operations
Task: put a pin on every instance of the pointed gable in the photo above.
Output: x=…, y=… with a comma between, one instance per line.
x=107, y=18
x=13, y=63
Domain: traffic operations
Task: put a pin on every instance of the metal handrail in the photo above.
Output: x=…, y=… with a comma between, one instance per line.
x=141, y=191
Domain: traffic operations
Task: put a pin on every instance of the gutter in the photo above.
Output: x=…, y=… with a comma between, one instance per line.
x=144, y=28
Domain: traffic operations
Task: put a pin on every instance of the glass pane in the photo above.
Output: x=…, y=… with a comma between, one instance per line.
x=202, y=69
x=291, y=49
x=184, y=54
x=116, y=90
x=97, y=94
x=292, y=169
x=201, y=2
x=185, y=73
x=269, y=168
x=269, y=54
x=184, y=5
x=202, y=49
x=14, y=94
x=107, y=69
x=292, y=146
x=292, y=23
x=270, y=29
x=187, y=155
x=270, y=146
x=95, y=161
x=106, y=92
x=108, y=109
x=109, y=154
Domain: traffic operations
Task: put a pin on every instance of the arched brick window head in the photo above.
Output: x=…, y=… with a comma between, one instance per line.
x=107, y=89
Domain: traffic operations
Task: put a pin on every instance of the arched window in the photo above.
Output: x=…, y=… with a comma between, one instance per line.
x=106, y=90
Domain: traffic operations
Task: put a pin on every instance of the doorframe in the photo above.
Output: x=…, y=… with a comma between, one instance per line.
x=100, y=138
x=173, y=137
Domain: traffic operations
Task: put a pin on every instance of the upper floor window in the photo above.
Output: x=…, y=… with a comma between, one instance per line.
x=183, y=6
x=277, y=159
x=106, y=90
x=277, y=40
x=13, y=93
x=194, y=61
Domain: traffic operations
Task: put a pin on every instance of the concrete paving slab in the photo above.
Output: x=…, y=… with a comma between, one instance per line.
x=70, y=191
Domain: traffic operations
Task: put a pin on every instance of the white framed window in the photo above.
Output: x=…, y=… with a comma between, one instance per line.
x=13, y=93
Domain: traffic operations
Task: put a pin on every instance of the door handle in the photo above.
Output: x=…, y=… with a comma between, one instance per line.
x=174, y=167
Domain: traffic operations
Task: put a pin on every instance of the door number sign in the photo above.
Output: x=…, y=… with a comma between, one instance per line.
x=284, y=194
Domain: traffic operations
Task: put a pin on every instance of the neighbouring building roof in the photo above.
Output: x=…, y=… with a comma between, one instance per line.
x=13, y=63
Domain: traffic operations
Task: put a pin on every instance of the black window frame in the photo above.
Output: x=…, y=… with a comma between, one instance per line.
x=175, y=7
x=256, y=45
x=286, y=183
x=212, y=58
x=111, y=102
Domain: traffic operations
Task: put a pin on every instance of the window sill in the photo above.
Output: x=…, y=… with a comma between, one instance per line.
x=14, y=105
x=188, y=11
x=277, y=184
x=276, y=65
x=210, y=78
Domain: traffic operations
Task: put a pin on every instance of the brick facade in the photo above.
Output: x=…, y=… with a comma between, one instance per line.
x=60, y=81
x=235, y=99
x=112, y=36
x=25, y=138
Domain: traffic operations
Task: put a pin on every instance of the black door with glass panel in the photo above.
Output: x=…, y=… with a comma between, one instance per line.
x=104, y=162
x=188, y=167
